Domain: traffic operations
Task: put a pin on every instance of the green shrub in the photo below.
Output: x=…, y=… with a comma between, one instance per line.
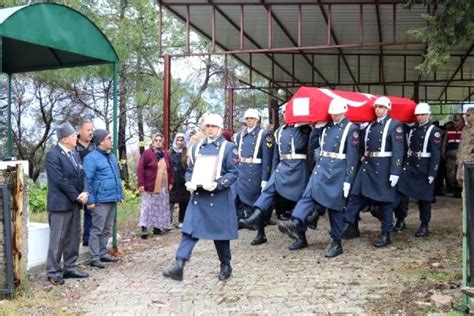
x=37, y=194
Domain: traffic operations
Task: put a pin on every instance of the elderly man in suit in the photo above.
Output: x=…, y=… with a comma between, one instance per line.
x=66, y=194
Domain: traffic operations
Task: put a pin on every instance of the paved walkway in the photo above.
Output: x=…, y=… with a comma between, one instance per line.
x=270, y=279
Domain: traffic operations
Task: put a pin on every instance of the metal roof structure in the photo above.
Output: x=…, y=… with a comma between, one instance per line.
x=358, y=45
x=50, y=36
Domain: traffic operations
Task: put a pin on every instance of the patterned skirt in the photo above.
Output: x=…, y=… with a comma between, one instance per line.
x=155, y=210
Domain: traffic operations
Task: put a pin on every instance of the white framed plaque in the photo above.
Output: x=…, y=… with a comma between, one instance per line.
x=204, y=170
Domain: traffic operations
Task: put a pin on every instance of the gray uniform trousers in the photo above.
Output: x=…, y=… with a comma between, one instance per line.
x=64, y=239
x=102, y=222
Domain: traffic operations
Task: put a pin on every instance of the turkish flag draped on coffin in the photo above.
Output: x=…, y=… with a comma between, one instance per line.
x=309, y=105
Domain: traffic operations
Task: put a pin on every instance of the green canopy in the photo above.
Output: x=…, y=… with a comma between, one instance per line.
x=50, y=36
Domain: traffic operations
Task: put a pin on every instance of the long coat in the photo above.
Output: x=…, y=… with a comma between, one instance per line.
x=416, y=170
x=212, y=215
x=290, y=176
x=252, y=174
x=178, y=193
x=65, y=181
x=329, y=174
x=372, y=180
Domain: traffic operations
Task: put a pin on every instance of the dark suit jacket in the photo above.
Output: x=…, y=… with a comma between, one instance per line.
x=65, y=182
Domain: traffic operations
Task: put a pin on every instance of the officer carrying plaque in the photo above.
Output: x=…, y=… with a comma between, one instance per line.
x=204, y=171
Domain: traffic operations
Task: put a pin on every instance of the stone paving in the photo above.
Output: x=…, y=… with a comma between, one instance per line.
x=269, y=279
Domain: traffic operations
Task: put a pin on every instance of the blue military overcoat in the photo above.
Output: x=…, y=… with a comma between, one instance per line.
x=255, y=163
x=422, y=161
x=336, y=164
x=212, y=215
x=290, y=175
x=383, y=156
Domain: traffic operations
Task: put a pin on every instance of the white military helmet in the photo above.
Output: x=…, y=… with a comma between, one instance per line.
x=251, y=113
x=422, y=108
x=383, y=101
x=337, y=106
x=215, y=120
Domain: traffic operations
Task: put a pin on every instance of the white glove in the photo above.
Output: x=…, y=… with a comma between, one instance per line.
x=430, y=179
x=320, y=124
x=210, y=186
x=191, y=187
x=263, y=184
x=393, y=180
x=346, y=188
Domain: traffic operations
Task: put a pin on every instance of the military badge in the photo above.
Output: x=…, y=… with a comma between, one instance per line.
x=269, y=141
x=437, y=134
x=355, y=134
x=399, y=129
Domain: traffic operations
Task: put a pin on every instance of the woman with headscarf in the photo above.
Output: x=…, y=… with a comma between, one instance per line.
x=155, y=180
x=179, y=194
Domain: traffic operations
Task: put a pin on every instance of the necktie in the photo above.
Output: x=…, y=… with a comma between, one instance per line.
x=74, y=163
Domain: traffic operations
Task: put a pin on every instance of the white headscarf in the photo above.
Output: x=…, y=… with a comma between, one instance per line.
x=175, y=147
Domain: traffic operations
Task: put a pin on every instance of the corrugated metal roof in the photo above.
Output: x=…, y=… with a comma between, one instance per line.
x=383, y=64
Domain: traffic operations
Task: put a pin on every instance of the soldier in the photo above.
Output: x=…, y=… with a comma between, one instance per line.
x=378, y=175
x=331, y=180
x=450, y=150
x=421, y=166
x=466, y=147
x=255, y=146
x=288, y=178
x=211, y=211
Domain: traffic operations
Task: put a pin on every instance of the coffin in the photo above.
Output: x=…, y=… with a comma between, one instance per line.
x=310, y=105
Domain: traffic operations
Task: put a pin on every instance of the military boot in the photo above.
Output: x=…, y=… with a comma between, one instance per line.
x=383, y=240
x=260, y=238
x=312, y=219
x=423, y=231
x=299, y=243
x=254, y=220
x=226, y=272
x=291, y=228
x=334, y=249
x=351, y=231
x=399, y=225
x=175, y=272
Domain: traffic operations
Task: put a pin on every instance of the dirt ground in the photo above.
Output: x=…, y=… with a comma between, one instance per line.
x=270, y=279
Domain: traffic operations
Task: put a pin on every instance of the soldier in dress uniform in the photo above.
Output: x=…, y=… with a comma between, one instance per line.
x=288, y=179
x=379, y=172
x=211, y=210
x=420, y=167
x=331, y=180
x=255, y=147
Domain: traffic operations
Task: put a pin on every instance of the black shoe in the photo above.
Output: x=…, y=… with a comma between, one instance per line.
x=75, y=273
x=312, y=219
x=254, y=221
x=383, y=240
x=226, y=272
x=97, y=264
x=157, y=231
x=299, y=243
x=291, y=228
x=85, y=244
x=334, y=249
x=351, y=231
x=144, y=234
x=56, y=280
x=175, y=272
x=399, y=225
x=284, y=217
x=423, y=231
x=109, y=258
x=258, y=240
